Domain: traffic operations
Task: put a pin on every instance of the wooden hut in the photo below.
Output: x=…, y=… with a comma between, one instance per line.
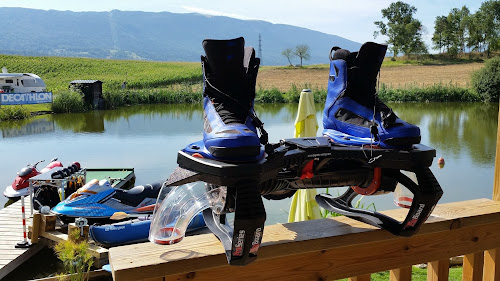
x=92, y=89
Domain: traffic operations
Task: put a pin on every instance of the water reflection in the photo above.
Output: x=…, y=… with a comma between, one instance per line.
x=451, y=127
x=27, y=127
x=456, y=127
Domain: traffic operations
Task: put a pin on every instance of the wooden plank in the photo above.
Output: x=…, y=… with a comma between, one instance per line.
x=400, y=274
x=56, y=236
x=473, y=267
x=11, y=233
x=14, y=263
x=492, y=265
x=496, y=174
x=329, y=248
x=365, y=277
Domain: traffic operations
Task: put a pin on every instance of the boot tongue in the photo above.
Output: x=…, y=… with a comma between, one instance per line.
x=226, y=72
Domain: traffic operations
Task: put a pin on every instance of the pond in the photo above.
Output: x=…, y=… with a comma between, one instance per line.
x=147, y=137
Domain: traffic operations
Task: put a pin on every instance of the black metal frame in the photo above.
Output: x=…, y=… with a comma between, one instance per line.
x=283, y=168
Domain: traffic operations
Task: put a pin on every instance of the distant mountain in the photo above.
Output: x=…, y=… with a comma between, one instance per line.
x=159, y=36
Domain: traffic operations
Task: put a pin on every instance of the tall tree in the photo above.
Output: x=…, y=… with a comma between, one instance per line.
x=490, y=12
x=288, y=53
x=458, y=23
x=302, y=51
x=404, y=31
x=476, y=38
x=438, y=37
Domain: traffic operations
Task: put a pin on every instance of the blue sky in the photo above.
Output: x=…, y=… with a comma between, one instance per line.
x=351, y=19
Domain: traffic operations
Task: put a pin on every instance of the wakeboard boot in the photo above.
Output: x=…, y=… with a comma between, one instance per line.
x=353, y=114
x=229, y=73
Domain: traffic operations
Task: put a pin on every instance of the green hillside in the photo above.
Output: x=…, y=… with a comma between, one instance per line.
x=57, y=72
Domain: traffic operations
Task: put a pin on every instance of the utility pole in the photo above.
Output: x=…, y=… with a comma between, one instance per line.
x=260, y=49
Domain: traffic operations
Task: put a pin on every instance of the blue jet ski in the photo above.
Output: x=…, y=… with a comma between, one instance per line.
x=132, y=231
x=98, y=201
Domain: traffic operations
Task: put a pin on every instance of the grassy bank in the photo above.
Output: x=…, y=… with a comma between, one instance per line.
x=180, y=82
x=434, y=93
x=186, y=93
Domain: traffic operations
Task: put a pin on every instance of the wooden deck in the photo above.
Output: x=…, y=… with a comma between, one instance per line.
x=11, y=232
x=325, y=249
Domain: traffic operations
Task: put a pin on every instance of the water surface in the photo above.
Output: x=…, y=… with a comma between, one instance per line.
x=148, y=138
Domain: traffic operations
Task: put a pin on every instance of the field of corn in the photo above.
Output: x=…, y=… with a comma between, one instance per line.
x=57, y=72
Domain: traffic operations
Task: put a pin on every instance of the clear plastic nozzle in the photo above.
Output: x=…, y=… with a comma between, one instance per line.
x=170, y=221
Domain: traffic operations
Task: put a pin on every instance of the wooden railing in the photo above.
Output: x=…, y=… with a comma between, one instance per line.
x=330, y=249
x=335, y=248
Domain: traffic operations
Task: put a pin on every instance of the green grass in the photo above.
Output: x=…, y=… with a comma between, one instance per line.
x=418, y=274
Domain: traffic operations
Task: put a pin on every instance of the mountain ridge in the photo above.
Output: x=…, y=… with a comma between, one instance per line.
x=157, y=36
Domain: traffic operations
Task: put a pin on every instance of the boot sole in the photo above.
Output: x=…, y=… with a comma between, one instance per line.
x=403, y=141
x=234, y=152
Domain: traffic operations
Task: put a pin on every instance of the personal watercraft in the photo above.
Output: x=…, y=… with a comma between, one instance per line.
x=20, y=185
x=98, y=201
x=228, y=186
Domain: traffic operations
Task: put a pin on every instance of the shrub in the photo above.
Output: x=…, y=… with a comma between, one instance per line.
x=486, y=81
x=75, y=256
x=269, y=96
x=435, y=93
x=13, y=112
x=68, y=101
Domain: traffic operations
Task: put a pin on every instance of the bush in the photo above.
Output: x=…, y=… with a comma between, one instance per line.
x=68, y=101
x=75, y=256
x=434, y=93
x=13, y=112
x=486, y=81
x=269, y=96
x=184, y=93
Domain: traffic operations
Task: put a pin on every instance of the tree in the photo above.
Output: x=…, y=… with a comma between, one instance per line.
x=404, y=31
x=458, y=24
x=476, y=38
x=490, y=13
x=288, y=53
x=439, y=27
x=302, y=51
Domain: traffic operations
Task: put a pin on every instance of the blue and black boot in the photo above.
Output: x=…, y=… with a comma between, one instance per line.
x=230, y=73
x=353, y=113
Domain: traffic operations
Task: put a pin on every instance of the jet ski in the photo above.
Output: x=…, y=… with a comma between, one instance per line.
x=20, y=185
x=98, y=201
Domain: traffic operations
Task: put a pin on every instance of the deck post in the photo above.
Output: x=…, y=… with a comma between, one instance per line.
x=492, y=265
x=438, y=270
x=400, y=274
x=473, y=267
x=35, y=229
x=496, y=174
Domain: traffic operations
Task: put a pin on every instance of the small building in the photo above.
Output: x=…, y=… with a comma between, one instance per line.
x=92, y=90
